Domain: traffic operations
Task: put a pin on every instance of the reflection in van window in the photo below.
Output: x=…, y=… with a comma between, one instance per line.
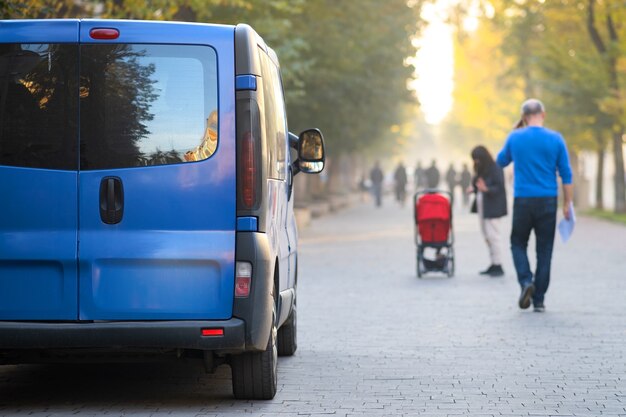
x=275, y=117
x=38, y=106
x=147, y=105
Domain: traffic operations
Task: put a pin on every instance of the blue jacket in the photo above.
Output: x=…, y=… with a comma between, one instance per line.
x=538, y=153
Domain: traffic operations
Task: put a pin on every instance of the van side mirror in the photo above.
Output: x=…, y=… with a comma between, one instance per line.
x=311, y=155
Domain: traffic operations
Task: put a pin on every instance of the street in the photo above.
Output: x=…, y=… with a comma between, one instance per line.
x=373, y=340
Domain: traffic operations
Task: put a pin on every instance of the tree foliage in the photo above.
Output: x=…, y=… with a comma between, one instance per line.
x=357, y=84
x=37, y=9
x=486, y=93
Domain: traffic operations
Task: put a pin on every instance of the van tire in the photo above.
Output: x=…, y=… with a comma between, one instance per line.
x=254, y=374
x=287, y=335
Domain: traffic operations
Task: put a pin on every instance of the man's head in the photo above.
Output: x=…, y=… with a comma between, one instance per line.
x=533, y=113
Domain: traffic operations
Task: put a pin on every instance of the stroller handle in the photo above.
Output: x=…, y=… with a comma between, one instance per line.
x=434, y=191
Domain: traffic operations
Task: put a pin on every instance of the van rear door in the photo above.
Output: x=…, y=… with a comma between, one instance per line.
x=157, y=183
x=38, y=170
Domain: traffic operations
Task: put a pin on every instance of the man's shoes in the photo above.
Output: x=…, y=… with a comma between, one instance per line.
x=496, y=271
x=539, y=308
x=488, y=270
x=525, y=296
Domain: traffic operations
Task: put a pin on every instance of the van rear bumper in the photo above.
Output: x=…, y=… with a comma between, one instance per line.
x=181, y=334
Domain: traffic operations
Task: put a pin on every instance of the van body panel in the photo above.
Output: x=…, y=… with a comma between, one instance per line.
x=159, y=32
x=39, y=31
x=38, y=225
x=246, y=43
x=27, y=338
x=38, y=216
x=172, y=254
x=276, y=220
x=278, y=161
x=292, y=235
x=256, y=310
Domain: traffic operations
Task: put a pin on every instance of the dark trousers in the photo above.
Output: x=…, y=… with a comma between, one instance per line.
x=536, y=214
x=377, y=189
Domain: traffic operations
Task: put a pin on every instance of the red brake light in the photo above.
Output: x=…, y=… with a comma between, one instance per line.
x=248, y=171
x=104, y=33
x=212, y=332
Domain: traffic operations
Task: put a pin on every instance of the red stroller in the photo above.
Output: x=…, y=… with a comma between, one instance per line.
x=434, y=236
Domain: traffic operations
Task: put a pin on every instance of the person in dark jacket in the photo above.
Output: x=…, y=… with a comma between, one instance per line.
x=377, y=176
x=419, y=177
x=451, y=179
x=432, y=175
x=465, y=181
x=400, y=179
x=488, y=184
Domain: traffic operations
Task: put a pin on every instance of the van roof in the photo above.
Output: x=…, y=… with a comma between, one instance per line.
x=139, y=31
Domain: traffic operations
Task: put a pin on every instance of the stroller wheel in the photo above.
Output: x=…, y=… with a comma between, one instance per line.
x=419, y=265
x=450, y=266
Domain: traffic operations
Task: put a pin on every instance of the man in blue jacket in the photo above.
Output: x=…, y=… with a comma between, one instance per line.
x=537, y=153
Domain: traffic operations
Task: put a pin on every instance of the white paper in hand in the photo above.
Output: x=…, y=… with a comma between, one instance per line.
x=566, y=227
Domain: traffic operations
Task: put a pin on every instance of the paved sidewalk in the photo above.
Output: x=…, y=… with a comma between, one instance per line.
x=440, y=346
x=376, y=341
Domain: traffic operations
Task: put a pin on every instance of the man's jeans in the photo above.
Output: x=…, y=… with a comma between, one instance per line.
x=538, y=214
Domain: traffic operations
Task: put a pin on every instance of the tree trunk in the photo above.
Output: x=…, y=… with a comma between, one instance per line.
x=611, y=68
x=600, y=178
x=620, y=186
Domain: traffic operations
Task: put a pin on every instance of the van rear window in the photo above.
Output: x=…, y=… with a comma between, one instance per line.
x=39, y=106
x=143, y=105
x=136, y=105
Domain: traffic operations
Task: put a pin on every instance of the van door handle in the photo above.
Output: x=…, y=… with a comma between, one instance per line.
x=111, y=200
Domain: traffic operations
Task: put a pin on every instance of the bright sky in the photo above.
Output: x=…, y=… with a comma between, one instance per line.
x=435, y=59
x=435, y=65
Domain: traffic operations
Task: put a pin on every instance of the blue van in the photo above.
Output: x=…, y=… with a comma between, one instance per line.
x=146, y=174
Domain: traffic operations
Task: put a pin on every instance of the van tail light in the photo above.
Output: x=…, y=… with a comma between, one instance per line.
x=243, y=279
x=247, y=173
x=104, y=33
x=249, y=169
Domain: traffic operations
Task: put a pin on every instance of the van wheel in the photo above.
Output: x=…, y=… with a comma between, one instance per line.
x=287, y=335
x=255, y=373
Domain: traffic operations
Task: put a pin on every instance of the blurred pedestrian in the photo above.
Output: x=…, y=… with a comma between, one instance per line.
x=537, y=154
x=364, y=187
x=418, y=176
x=465, y=181
x=432, y=175
x=451, y=179
x=400, y=180
x=488, y=184
x=376, y=177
